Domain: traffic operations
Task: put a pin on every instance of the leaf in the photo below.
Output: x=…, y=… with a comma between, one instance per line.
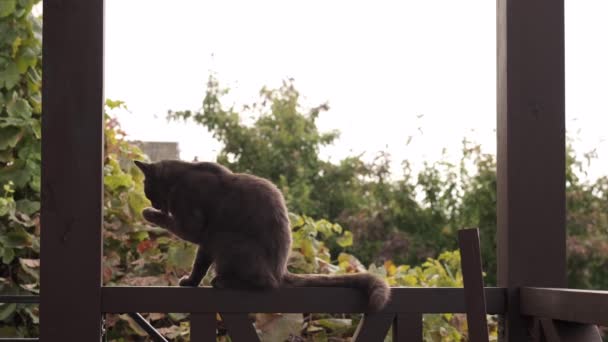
x=181, y=255
x=337, y=326
x=176, y=317
x=19, y=108
x=133, y=325
x=15, y=173
x=9, y=137
x=6, y=156
x=34, y=313
x=9, y=77
x=139, y=236
x=18, y=238
x=7, y=7
x=6, y=310
x=31, y=263
x=6, y=206
x=15, y=46
x=116, y=180
x=8, y=255
x=36, y=128
x=27, y=58
x=138, y=201
x=345, y=240
x=28, y=207
x=31, y=267
x=144, y=246
x=279, y=327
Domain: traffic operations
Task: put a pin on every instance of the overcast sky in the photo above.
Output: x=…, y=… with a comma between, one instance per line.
x=389, y=69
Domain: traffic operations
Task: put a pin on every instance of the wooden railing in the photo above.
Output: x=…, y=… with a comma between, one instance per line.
x=403, y=312
x=405, y=308
x=559, y=315
x=565, y=314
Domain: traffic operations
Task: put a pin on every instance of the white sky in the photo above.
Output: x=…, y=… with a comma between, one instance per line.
x=380, y=65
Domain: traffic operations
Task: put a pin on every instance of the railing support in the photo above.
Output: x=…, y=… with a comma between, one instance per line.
x=531, y=204
x=407, y=328
x=72, y=163
x=373, y=327
x=203, y=327
x=472, y=274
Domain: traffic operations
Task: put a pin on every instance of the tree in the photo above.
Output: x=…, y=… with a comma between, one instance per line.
x=282, y=144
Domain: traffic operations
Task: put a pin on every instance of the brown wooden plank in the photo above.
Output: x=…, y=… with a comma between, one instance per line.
x=288, y=300
x=581, y=306
x=202, y=327
x=549, y=330
x=239, y=326
x=373, y=327
x=72, y=154
x=472, y=274
x=531, y=151
x=407, y=328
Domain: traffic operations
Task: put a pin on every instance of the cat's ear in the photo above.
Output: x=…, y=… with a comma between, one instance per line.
x=146, y=168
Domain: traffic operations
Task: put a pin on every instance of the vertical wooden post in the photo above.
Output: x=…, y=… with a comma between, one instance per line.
x=72, y=153
x=531, y=151
x=472, y=276
x=407, y=328
x=202, y=327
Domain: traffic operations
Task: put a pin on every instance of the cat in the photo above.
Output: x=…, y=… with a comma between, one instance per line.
x=240, y=223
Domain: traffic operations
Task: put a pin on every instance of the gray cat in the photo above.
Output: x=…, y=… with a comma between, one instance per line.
x=240, y=223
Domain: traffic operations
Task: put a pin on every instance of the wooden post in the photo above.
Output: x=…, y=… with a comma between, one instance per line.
x=531, y=151
x=72, y=155
x=472, y=277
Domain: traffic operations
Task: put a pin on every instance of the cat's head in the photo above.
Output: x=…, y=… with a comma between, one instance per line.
x=153, y=184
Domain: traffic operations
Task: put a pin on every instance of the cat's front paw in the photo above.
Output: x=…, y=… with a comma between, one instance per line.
x=186, y=281
x=153, y=215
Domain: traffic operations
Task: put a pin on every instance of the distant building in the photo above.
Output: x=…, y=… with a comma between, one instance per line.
x=159, y=150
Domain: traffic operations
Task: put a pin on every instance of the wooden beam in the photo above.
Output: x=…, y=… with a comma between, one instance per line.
x=407, y=328
x=240, y=327
x=288, y=300
x=373, y=327
x=580, y=306
x=203, y=327
x=72, y=182
x=472, y=275
x=531, y=151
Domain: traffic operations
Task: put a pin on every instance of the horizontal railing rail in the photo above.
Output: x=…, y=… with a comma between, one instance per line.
x=568, y=305
x=579, y=306
x=289, y=300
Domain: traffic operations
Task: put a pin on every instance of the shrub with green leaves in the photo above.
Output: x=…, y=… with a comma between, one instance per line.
x=20, y=110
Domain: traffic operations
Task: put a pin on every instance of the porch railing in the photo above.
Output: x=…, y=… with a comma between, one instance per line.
x=559, y=314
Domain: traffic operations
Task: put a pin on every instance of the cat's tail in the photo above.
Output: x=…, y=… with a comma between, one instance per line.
x=376, y=289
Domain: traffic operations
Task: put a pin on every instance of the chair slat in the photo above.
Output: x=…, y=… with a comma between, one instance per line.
x=202, y=327
x=240, y=327
x=407, y=328
x=373, y=327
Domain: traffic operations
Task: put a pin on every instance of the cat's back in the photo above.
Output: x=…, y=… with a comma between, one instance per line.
x=256, y=198
x=256, y=187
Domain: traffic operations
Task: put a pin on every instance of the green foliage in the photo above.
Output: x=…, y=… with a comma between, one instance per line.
x=282, y=136
x=20, y=110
